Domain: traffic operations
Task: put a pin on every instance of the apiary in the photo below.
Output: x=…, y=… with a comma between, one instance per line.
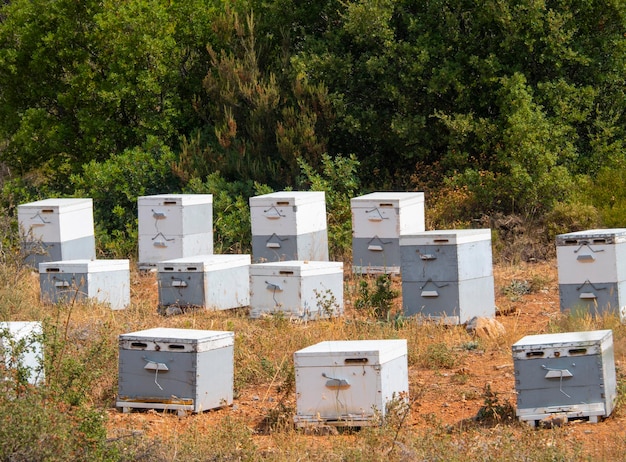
x=183, y=370
x=378, y=220
x=447, y=275
x=105, y=281
x=21, y=348
x=349, y=383
x=289, y=225
x=592, y=271
x=218, y=282
x=569, y=374
x=56, y=229
x=297, y=289
x=174, y=226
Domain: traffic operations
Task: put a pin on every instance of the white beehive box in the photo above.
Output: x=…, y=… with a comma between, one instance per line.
x=176, y=369
x=289, y=225
x=378, y=220
x=592, y=271
x=106, y=281
x=349, y=383
x=174, y=226
x=57, y=229
x=448, y=275
x=21, y=348
x=218, y=282
x=571, y=374
x=297, y=289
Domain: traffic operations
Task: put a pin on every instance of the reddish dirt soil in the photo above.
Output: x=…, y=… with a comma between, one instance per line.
x=451, y=397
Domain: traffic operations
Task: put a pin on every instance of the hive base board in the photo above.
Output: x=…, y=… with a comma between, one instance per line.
x=391, y=270
x=147, y=267
x=594, y=412
x=293, y=315
x=443, y=320
x=181, y=409
x=347, y=421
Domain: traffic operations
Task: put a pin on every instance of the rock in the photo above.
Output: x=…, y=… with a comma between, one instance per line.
x=485, y=327
x=553, y=420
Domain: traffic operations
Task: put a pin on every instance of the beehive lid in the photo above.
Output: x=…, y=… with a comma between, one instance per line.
x=295, y=268
x=202, y=263
x=175, y=199
x=287, y=198
x=350, y=352
x=564, y=340
x=167, y=335
x=593, y=236
x=446, y=237
x=57, y=205
x=83, y=266
x=387, y=198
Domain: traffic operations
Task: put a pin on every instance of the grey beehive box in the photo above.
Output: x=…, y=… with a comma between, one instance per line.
x=57, y=229
x=289, y=225
x=378, y=220
x=107, y=281
x=349, y=383
x=571, y=374
x=184, y=370
x=447, y=275
x=592, y=271
x=218, y=282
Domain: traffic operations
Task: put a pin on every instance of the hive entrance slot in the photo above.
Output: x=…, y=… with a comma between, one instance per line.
x=52, y=270
x=355, y=361
x=192, y=268
x=282, y=203
x=577, y=351
x=169, y=268
x=139, y=345
x=385, y=205
x=176, y=347
x=599, y=241
x=169, y=202
x=534, y=354
x=441, y=240
x=47, y=211
x=285, y=272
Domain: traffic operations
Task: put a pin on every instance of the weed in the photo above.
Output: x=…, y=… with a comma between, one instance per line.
x=516, y=289
x=378, y=300
x=327, y=303
x=440, y=356
x=493, y=410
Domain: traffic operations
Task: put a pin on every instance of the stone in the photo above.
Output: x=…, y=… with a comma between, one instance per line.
x=485, y=327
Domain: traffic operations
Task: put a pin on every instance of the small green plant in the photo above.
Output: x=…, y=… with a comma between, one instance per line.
x=377, y=300
x=493, y=410
x=440, y=356
x=516, y=289
x=327, y=303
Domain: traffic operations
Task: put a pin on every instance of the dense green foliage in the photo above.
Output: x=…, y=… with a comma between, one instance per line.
x=503, y=106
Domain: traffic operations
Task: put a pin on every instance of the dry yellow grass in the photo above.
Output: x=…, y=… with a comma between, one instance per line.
x=449, y=370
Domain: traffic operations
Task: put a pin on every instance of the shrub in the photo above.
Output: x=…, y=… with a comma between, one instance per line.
x=339, y=180
x=377, y=301
x=231, y=211
x=115, y=184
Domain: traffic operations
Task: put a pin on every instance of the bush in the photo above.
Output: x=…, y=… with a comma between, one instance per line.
x=115, y=184
x=231, y=211
x=339, y=180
